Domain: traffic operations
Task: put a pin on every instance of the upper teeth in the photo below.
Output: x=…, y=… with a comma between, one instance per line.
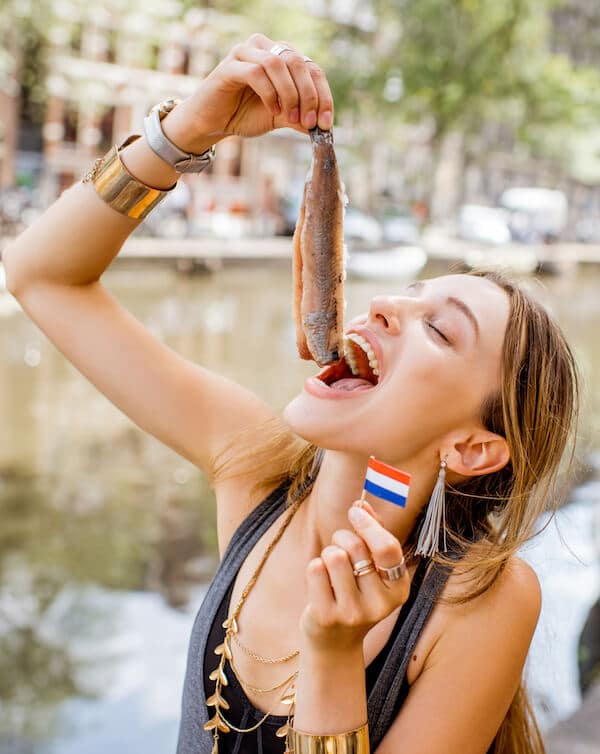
x=366, y=347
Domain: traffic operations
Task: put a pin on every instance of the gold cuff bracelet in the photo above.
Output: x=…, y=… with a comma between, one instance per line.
x=119, y=189
x=353, y=742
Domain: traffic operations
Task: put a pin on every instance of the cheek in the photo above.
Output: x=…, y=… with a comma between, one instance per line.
x=427, y=398
x=429, y=393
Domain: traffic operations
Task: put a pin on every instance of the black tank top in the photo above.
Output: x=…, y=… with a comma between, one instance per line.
x=387, y=686
x=244, y=715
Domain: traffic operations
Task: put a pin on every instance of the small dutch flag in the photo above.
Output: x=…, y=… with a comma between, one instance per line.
x=386, y=482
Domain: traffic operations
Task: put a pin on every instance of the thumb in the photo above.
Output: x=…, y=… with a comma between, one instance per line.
x=366, y=506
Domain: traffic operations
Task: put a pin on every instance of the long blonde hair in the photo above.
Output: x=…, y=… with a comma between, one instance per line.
x=536, y=410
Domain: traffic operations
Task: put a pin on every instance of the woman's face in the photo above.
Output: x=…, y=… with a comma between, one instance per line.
x=437, y=345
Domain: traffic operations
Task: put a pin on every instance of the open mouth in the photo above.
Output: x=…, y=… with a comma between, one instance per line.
x=358, y=369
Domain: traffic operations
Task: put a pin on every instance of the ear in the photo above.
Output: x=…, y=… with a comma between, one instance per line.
x=482, y=452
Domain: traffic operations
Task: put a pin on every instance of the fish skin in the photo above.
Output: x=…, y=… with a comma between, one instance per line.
x=301, y=343
x=319, y=257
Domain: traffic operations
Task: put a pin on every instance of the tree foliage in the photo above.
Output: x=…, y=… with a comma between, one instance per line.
x=463, y=62
x=24, y=54
x=456, y=64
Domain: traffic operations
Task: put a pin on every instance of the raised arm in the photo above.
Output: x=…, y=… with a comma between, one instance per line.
x=54, y=268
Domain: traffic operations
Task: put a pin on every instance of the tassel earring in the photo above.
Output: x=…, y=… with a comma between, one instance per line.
x=435, y=517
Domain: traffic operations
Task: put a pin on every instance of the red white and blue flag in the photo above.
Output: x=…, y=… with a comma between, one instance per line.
x=386, y=482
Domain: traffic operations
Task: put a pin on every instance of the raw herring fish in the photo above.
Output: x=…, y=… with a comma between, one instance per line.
x=319, y=257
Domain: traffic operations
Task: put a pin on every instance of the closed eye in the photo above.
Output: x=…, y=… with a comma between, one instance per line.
x=437, y=331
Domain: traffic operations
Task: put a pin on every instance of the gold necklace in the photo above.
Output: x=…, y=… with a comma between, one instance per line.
x=258, y=689
x=218, y=723
x=260, y=658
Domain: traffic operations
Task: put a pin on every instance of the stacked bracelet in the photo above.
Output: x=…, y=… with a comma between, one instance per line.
x=353, y=742
x=163, y=147
x=119, y=189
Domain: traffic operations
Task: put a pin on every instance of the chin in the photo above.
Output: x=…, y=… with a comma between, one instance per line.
x=322, y=425
x=304, y=420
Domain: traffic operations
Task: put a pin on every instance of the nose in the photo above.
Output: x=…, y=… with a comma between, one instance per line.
x=388, y=312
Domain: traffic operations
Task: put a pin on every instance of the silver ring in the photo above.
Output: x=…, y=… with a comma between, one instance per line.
x=395, y=573
x=306, y=59
x=279, y=49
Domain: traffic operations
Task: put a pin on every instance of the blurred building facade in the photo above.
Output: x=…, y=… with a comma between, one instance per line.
x=110, y=61
x=108, y=64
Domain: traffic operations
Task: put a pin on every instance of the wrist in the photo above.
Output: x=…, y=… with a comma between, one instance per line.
x=329, y=659
x=331, y=695
x=355, y=741
x=178, y=127
x=147, y=167
x=329, y=643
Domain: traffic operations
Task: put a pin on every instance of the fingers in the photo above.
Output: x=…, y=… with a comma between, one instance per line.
x=324, y=96
x=357, y=550
x=365, y=505
x=342, y=578
x=350, y=542
x=253, y=75
x=301, y=86
x=318, y=586
x=309, y=97
x=383, y=545
x=261, y=41
x=384, y=548
x=280, y=77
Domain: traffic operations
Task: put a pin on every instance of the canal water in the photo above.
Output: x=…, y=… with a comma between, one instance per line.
x=107, y=538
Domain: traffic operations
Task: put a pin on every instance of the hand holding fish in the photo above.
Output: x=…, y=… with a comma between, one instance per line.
x=259, y=86
x=252, y=91
x=344, y=605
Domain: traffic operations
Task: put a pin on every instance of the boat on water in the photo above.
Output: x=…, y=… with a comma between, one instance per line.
x=396, y=263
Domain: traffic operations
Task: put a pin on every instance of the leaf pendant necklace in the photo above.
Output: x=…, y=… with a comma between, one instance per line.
x=219, y=723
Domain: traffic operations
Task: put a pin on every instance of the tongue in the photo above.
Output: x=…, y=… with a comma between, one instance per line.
x=352, y=383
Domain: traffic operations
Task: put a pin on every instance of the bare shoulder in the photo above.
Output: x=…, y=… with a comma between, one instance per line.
x=516, y=592
x=507, y=611
x=473, y=651
x=520, y=582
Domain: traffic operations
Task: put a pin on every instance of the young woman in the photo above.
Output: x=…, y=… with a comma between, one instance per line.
x=325, y=614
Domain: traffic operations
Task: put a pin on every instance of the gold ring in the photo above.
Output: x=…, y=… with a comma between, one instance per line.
x=363, y=567
x=364, y=571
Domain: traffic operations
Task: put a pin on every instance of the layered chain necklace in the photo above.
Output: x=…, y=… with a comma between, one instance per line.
x=287, y=690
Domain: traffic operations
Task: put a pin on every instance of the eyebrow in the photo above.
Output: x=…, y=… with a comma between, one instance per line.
x=453, y=301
